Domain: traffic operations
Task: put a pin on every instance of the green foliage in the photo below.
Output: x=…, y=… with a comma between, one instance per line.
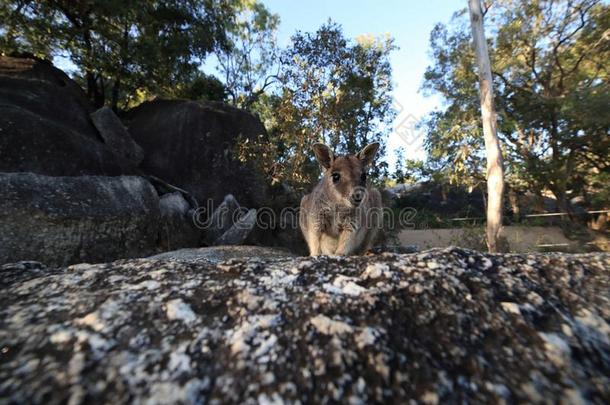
x=411, y=171
x=120, y=47
x=600, y=181
x=549, y=61
x=399, y=175
x=249, y=64
x=417, y=171
x=201, y=87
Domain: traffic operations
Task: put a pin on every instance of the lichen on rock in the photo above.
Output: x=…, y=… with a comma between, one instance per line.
x=445, y=325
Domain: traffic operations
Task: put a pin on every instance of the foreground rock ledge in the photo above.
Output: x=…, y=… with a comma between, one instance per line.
x=442, y=325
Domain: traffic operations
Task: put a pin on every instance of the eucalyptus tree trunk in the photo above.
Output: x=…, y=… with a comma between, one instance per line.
x=495, y=172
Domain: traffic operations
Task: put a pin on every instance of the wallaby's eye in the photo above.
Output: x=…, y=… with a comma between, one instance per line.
x=363, y=177
x=336, y=177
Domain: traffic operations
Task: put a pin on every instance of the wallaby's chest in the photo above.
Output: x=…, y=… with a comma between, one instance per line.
x=338, y=220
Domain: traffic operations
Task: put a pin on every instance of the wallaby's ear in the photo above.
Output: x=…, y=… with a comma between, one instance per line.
x=323, y=154
x=367, y=154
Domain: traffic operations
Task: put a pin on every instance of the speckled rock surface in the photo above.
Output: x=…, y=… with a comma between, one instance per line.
x=436, y=327
x=66, y=220
x=217, y=254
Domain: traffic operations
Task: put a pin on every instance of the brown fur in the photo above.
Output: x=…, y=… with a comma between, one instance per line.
x=332, y=218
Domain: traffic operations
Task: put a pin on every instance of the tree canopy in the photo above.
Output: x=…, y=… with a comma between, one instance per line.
x=249, y=65
x=329, y=89
x=121, y=47
x=549, y=63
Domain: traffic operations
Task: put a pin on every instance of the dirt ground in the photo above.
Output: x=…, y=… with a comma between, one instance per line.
x=519, y=239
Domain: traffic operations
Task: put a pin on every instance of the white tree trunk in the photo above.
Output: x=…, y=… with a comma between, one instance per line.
x=495, y=172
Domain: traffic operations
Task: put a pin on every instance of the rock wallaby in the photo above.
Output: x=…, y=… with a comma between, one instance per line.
x=342, y=215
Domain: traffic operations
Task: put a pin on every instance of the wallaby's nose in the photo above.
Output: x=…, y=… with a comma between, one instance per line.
x=358, y=195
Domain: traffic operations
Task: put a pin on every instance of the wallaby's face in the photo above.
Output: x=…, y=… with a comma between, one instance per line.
x=345, y=176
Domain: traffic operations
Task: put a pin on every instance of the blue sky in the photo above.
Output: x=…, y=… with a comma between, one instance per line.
x=408, y=22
